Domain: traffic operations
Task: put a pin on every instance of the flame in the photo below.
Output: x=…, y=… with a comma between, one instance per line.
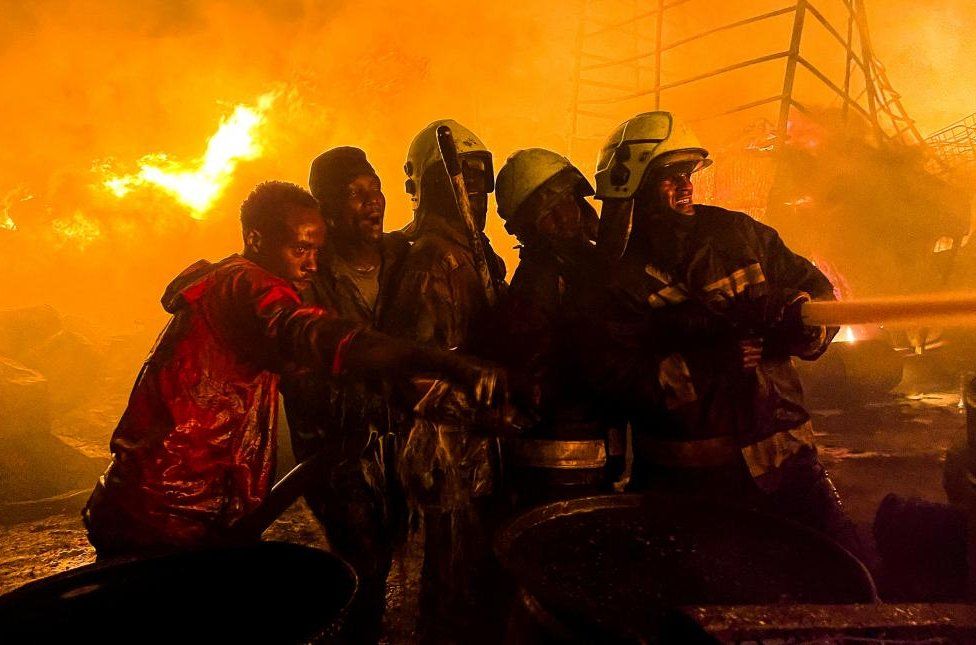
x=804, y=134
x=7, y=222
x=198, y=185
x=842, y=291
x=845, y=335
x=944, y=243
x=79, y=230
x=805, y=200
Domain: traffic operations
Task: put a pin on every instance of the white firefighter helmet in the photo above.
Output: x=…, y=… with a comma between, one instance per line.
x=649, y=140
x=526, y=171
x=424, y=154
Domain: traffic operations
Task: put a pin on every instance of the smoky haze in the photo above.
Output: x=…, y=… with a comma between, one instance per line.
x=101, y=84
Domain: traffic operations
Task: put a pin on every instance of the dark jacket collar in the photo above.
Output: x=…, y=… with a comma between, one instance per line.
x=337, y=292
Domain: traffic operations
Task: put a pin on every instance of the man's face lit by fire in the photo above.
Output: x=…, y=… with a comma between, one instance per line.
x=553, y=212
x=475, y=173
x=360, y=211
x=292, y=251
x=562, y=220
x=673, y=191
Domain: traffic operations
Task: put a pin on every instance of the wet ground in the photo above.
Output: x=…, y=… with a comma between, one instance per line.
x=896, y=444
x=889, y=443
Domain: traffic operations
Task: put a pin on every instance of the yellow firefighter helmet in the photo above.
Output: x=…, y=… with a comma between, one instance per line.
x=526, y=171
x=651, y=140
x=424, y=154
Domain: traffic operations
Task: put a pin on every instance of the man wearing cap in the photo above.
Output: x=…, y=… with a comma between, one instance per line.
x=572, y=450
x=357, y=497
x=712, y=298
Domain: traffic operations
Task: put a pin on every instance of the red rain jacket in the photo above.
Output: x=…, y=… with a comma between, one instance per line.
x=195, y=449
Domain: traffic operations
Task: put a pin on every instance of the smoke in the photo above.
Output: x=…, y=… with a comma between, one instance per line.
x=872, y=213
x=96, y=84
x=928, y=52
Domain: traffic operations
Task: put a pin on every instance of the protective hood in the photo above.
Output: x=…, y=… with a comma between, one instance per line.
x=187, y=286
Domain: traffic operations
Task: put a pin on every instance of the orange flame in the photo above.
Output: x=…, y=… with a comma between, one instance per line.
x=198, y=185
x=79, y=230
x=7, y=222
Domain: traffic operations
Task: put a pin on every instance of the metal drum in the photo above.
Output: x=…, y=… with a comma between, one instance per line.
x=547, y=470
x=269, y=592
x=613, y=567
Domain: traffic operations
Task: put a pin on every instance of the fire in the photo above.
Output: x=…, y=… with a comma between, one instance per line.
x=78, y=230
x=198, y=185
x=7, y=222
x=944, y=243
x=805, y=200
x=804, y=134
x=845, y=335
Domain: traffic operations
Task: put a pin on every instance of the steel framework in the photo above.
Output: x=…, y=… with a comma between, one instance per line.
x=955, y=145
x=638, y=60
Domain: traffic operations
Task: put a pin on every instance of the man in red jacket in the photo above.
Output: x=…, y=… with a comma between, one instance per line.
x=194, y=450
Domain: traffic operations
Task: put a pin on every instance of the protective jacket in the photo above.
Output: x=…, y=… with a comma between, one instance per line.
x=685, y=290
x=356, y=497
x=330, y=286
x=449, y=470
x=440, y=302
x=341, y=412
x=195, y=448
x=574, y=448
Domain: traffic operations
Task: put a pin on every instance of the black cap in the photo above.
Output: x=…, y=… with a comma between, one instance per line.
x=332, y=171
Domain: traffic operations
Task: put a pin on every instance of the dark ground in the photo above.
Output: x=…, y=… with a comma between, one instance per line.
x=887, y=443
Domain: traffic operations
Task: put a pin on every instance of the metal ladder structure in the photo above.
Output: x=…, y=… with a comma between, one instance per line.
x=638, y=55
x=955, y=145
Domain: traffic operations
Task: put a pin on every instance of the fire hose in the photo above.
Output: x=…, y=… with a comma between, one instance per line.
x=944, y=309
x=948, y=309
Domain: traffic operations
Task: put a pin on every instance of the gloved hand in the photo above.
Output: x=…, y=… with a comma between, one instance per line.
x=788, y=336
x=497, y=394
x=783, y=310
x=750, y=311
x=487, y=384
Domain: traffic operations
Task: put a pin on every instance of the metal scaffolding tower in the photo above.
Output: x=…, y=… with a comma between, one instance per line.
x=633, y=56
x=955, y=145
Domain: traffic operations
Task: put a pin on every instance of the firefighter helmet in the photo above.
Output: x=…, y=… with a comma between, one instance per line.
x=424, y=154
x=526, y=171
x=651, y=140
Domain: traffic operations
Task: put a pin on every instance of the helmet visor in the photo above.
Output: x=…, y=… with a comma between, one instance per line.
x=479, y=176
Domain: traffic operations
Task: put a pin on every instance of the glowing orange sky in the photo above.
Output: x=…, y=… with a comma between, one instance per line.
x=98, y=83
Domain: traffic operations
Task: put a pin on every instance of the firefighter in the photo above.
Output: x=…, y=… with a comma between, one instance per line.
x=357, y=498
x=449, y=465
x=194, y=450
x=712, y=298
x=573, y=450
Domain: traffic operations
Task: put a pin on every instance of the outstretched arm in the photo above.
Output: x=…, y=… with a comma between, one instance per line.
x=310, y=337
